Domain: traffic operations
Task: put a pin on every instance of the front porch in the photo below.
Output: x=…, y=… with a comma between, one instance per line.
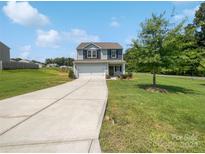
x=116, y=69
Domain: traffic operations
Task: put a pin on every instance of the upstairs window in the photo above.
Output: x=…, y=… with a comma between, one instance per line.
x=92, y=53
x=113, y=53
x=89, y=54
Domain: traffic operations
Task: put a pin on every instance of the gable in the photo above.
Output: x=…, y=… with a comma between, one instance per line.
x=2, y=45
x=91, y=46
x=101, y=45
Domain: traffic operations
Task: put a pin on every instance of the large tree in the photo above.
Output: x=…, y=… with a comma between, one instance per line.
x=60, y=61
x=130, y=57
x=191, y=54
x=199, y=22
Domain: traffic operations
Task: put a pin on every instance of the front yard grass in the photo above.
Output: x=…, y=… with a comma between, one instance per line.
x=16, y=82
x=140, y=121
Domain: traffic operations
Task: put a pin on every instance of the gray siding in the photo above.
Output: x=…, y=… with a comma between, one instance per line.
x=4, y=53
x=18, y=65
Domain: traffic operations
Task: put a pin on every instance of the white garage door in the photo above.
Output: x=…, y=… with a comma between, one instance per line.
x=91, y=69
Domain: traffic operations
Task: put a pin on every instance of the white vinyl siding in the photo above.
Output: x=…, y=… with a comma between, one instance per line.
x=104, y=54
x=80, y=54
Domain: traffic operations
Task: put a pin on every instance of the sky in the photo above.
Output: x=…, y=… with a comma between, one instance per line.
x=39, y=30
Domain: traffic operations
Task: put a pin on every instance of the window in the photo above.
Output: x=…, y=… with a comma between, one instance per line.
x=92, y=54
x=89, y=54
x=117, y=69
x=113, y=53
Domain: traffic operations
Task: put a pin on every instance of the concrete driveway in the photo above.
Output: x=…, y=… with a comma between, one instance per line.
x=65, y=118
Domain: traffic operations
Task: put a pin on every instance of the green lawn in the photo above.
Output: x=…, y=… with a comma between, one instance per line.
x=16, y=82
x=140, y=121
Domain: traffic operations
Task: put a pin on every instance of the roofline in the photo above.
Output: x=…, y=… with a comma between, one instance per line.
x=5, y=45
x=99, y=46
x=92, y=44
x=99, y=61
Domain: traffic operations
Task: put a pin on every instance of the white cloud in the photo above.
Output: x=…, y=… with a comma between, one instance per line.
x=53, y=38
x=25, y=51
x=114, y=22
x=79, y=35
x=185, y=14
x=26, y=48
x=49, y=38
x=24, y=14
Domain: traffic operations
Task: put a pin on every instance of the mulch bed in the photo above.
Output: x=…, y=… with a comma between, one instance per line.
x=156, y=89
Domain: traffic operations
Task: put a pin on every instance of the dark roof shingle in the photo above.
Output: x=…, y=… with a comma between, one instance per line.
x=103, y=45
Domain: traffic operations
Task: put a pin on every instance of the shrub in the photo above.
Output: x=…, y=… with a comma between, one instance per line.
x=130, y=75
x=125, y=76
x=107, y=76
x=64, y=69
x=71, y=74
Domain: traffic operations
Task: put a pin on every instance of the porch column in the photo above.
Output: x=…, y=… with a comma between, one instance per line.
x=107, y=70
x=123, y=68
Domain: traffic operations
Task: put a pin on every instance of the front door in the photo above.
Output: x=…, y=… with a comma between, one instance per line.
x=111, y=70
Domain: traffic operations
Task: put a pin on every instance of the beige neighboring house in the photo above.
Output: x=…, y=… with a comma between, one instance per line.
x=99, y=59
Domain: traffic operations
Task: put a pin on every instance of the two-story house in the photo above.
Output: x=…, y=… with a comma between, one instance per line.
x=99, y=58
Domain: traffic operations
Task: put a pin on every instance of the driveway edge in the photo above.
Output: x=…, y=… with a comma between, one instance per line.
x=95, y=144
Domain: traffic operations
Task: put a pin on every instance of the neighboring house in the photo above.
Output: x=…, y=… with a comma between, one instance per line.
x=99, y=58
x=40, y=65
x=4, y=52
x=7, y=63
x=52, y=65
x=25, y=61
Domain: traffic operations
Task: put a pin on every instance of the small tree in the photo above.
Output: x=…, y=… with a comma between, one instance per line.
x=156, y=47
x=151, y=53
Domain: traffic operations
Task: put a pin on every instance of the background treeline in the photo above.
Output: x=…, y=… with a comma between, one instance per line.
x=167, y=49
x=60, y=61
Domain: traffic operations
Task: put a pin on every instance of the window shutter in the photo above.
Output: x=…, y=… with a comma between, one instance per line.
x=109, y=54
x=84, y=54
x=120, y=54
x=98, y=54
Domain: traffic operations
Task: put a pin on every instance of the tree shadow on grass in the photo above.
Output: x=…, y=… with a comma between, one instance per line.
x=170, y=89
x=203, y=84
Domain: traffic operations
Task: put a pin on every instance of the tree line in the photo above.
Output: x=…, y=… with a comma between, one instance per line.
x=162, y=47
x=60, y=61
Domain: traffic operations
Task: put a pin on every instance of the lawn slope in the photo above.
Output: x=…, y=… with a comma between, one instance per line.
x=140, y=121
x=16, y=82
